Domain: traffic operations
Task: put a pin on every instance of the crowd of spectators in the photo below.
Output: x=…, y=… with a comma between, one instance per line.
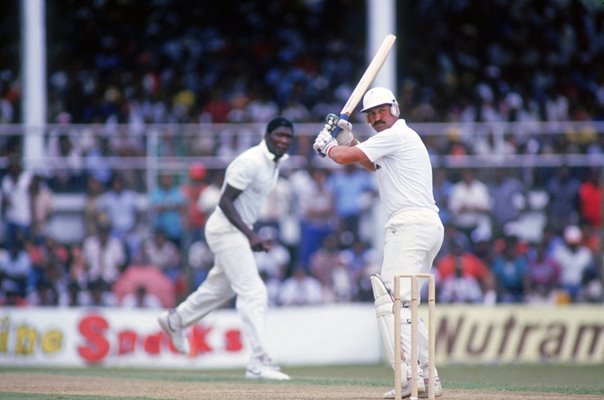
x=122, y=66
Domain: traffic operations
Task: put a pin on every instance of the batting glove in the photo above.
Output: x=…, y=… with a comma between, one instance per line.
x=345, y=136
x=324, y=142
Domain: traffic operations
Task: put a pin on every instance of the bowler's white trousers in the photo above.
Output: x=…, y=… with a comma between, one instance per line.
x=412, y=241
x=234, y=273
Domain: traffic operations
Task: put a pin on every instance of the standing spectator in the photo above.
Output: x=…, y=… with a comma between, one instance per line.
x=16, y=202
x=104, y=255
x=249, y=178
x=318, y=219
x=42, y=206
x=574, y=259
x=195, y=218
x=470, y=203
x=93, y=215
x=122, y=208
x=591, y=195
x=442, y=192
x=511, y=272
x=507, y=199
x=66, y=164
x=563, y=190
x=349, y=185
x=168, y=205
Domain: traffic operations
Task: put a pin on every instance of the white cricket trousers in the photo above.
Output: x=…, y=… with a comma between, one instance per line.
x=234, y=273
x=413, y=239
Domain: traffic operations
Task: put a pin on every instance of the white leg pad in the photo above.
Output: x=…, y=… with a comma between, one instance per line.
x=384, y=305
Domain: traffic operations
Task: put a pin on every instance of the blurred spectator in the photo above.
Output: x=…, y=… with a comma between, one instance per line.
x=195, y=219
x=274, y=262
x=163, y=254
x=470, y=203
x=122, y=208
x=507, y=199
x=168, y=206
x=563, y=190
x=16, y=269
x=469, y=265
x=591, y=195
x=45, y=294
x=42, y=206
x=93, y=215
x=317, y=207
x=358, y=258
x=543, y=275
x=442, y=187
x=66, y=164
x=328, y=266
x=459, y=288
x=575, y=261
x=350, y=186
x=141, y=299
x=511, y=272
x=300, y=289
x=201, y=259
x=16, y=202
x=99, y=295
x=105, y=256
x=96, y=160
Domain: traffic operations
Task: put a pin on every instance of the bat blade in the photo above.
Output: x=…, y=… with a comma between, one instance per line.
x=370, y=73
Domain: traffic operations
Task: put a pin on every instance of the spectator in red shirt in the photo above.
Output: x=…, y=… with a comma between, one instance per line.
x=469, y=265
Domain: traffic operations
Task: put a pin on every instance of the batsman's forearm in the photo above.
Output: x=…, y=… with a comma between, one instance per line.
x=348, y=155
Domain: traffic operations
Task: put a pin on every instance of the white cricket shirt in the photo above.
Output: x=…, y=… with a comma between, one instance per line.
x=405, y=173
x=255, y=173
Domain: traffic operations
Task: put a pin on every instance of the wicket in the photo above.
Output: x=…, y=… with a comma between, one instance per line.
x=415, y=295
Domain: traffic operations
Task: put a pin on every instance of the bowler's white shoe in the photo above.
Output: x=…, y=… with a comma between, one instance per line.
x=263, y=368
x=406, y=389
x=171, y=324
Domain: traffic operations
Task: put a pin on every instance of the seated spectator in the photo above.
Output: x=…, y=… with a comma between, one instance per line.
x=276, y=260
x=141, y=299
x=563, y=206
x=16, y=269
x=159, y=252
x=300, y=289
x=469, y=265
x=328, y=267
x=10, y=295
x=574, y=259
x=510, y=269
x=99, y=295
x=45, y=294
x=459, y=288
x=543, y=275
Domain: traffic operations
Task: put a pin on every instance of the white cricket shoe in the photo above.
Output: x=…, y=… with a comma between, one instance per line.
x=438, y=389
x=263, y=368
x=171, y=324
x=406, y=389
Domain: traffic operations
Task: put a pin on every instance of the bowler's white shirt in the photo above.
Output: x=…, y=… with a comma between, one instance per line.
x=255, y=173
x=405, y=174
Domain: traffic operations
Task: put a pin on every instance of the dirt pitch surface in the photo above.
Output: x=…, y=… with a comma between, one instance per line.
x=54, y=386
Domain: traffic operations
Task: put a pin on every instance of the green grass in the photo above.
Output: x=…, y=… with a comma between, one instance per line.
x=566, y=379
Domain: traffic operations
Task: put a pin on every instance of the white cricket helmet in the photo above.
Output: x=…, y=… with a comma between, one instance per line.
x=378, y=96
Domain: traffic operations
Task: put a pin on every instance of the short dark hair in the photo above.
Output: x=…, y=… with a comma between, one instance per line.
x=277, y=122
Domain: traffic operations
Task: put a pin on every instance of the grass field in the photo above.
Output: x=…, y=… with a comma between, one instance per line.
x=530, y=382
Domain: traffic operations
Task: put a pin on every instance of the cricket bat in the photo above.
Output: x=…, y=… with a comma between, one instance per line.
x=370, y=73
